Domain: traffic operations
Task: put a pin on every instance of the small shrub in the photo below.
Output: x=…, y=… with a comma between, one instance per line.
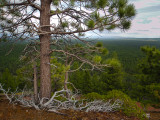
x=129, y=106
x=94, y=96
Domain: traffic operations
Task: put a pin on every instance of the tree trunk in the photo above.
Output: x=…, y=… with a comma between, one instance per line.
x=45, y=75
x=35, y=83
x=65, y=84
x=66, y=78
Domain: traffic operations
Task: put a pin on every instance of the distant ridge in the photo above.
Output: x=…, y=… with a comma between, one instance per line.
x=125, y=38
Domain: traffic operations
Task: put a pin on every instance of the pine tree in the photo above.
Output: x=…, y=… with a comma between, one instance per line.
x=60, y=19
x=149, y=68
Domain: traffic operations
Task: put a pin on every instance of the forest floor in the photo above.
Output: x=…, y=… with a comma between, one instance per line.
x=16, y=112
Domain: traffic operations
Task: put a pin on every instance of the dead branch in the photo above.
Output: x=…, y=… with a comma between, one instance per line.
x=26, y=99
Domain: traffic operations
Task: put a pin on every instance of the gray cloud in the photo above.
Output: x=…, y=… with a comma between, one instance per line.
x=156, y=28
x=135, y=33
x=143, y=30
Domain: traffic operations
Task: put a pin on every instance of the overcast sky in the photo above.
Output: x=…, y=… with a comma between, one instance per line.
x=146, y=24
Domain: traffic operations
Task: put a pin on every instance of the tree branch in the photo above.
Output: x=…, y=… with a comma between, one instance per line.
x=34, y=6
x=26, y=3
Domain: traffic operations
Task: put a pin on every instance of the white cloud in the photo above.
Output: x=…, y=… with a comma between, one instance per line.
x=146, y=23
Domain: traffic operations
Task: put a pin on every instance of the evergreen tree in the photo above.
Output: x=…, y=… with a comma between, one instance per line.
x=149, y=74
x=64, y=18
x=100, y=81
x=10, y=81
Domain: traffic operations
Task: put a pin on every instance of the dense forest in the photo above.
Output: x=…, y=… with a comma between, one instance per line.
x=134, y=70
x=126, y=55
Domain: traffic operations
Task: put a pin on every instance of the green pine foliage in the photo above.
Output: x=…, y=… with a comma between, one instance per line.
x=72, y=2
x=126, y=24
x=123, y=10
x=57, y=74
x=64, y=24
x=97, y=59
x=90, y=81
x=56, y=2
x=130, y=11
x=10, y=56
x=11, y=82
x=91, y=24
x=129, y=106
x=102, y=3
x=25, y=74
x=149, y=78
x=94, y=96
x=8, y=80
x=141, y=84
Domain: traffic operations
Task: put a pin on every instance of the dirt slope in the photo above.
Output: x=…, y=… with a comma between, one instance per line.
x=16, y=112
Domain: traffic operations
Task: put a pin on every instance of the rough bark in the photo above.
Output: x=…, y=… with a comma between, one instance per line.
x=45, y=75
